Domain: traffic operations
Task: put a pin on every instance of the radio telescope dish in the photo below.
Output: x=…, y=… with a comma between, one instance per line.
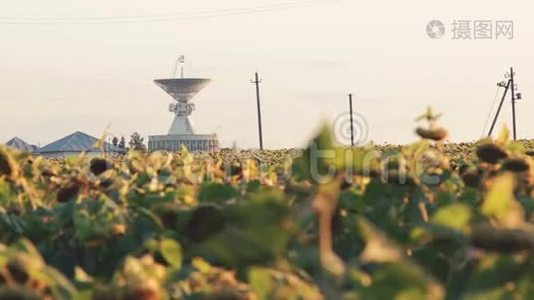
x=183, y=89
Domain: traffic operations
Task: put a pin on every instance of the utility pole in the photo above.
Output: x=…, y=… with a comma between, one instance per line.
x=508, y=85
x=257, y=82
x=506, y=88
x=513, y=101
x=351, y=122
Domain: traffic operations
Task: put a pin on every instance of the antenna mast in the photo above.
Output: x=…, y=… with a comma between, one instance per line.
x=182, y=62
x=179, y=62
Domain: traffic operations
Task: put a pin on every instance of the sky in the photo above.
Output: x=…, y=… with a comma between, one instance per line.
x=84, y=65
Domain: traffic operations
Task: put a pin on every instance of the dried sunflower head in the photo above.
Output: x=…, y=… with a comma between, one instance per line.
x=435, y=134
x=491, y=153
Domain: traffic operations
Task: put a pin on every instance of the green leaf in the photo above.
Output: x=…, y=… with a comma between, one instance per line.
x=321, y=158
x=172, y=252
x=401, y=280
x=500, y=198
x=215, y=192
x=6, y=195
x=260, y=280
x=428, y=115
x=504, y=135
x=456, y=216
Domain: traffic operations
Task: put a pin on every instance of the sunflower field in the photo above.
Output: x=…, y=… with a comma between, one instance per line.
x=428, y=220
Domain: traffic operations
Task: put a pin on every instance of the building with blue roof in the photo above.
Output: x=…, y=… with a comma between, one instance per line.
x=76, y=143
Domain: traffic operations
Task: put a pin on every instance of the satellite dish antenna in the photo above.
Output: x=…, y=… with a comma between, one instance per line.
x=182, y=90
x=182, y=133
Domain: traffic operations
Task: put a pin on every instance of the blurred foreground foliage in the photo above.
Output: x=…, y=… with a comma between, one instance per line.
x=429, y=220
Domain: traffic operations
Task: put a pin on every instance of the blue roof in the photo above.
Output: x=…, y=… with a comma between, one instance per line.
x=77, y=142
x=21, y=145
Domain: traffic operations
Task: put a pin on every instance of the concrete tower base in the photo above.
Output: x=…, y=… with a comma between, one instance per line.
x=193, y=142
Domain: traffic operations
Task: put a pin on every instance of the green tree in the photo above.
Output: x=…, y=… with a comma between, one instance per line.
x=122, y=143
x=137, y=142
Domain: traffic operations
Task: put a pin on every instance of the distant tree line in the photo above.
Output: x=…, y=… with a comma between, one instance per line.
x=136, y=142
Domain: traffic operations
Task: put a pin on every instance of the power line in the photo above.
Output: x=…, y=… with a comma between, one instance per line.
x=10, y=20
x=275, y=5
x=490, y=112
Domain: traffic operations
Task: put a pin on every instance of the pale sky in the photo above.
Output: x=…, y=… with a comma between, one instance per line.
x=59, y=78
